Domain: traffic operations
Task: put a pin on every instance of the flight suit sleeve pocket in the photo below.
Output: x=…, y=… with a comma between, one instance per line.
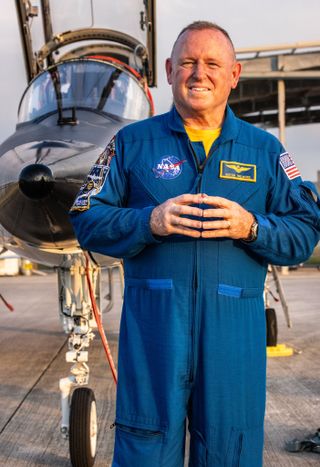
x=310, y=195
x=310, y=192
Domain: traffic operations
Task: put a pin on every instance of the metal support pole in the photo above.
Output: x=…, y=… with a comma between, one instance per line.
x=282, y=128
x=282, y=111
x=47, y=26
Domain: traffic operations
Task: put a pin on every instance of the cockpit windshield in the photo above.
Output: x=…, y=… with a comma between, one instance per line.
x=85, y=84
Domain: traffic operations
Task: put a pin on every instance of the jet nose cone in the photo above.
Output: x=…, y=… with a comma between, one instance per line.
x=36, y=181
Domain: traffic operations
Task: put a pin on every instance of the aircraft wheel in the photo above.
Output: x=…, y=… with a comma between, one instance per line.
x=83, y=428
x=272, y=327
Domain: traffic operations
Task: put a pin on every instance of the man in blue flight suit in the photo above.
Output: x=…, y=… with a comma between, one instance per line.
x=197, y=202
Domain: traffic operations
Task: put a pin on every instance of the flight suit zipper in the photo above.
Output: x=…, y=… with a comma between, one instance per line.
x=200, y=167
x=195, y=283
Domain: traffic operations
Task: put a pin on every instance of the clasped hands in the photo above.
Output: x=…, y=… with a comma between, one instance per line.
x=177, y=216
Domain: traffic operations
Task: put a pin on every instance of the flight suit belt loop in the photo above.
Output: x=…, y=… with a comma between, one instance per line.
x=239, y=292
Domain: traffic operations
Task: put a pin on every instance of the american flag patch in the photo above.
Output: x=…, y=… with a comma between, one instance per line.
x=289, y=166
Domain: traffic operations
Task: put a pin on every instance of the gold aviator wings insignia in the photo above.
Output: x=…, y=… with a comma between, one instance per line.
x=238, y=168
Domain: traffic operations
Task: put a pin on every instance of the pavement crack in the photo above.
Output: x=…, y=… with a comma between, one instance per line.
x=53, y=359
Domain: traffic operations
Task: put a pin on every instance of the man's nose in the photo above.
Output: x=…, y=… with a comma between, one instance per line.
x=199, y=70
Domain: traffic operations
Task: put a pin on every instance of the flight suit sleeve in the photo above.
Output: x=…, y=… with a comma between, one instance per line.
x=290, y=229
x=100, y=218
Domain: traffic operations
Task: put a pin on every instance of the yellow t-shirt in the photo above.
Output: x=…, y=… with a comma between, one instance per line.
x=207, y=137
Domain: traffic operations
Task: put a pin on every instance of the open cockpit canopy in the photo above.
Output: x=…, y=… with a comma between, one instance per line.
x=86, y=84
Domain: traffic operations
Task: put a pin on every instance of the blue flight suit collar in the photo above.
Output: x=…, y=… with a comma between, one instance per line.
x=230, y=127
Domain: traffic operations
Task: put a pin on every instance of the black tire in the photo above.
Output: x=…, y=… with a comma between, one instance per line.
x=272, y=327
x=83, y=428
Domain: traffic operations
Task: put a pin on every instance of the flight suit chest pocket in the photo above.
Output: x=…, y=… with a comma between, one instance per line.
x=161, y=183
x=241, y=182
x=249, y=195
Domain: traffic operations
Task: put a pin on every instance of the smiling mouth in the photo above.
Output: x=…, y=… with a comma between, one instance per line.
x=198, y=89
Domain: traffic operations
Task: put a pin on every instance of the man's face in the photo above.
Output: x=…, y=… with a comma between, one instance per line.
x=202, y=72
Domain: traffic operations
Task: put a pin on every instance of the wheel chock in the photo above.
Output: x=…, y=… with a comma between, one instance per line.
x=280, y=350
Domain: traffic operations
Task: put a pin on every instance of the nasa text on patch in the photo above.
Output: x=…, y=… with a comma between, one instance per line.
x=95, y=179
x=289, y=166
x=233, y=170
x=168, y=168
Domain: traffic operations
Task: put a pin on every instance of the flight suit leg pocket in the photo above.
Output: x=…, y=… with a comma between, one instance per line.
x=148, y=307
x=136, y=446
x=245, y=448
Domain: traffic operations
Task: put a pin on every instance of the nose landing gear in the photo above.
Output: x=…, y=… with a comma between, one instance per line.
x=79, y=286
x=83, y=428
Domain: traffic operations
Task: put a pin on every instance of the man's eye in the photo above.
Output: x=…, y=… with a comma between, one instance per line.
x=212, y=64
x=187, y=64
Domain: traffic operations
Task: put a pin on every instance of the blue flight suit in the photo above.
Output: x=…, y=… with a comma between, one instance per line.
x=192, y=335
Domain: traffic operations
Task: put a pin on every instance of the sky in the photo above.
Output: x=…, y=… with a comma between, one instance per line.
x=251, y=23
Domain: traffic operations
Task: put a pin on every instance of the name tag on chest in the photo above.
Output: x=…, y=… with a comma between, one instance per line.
x=233, y=170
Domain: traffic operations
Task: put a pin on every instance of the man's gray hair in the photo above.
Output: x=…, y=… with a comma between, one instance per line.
x=202, y=25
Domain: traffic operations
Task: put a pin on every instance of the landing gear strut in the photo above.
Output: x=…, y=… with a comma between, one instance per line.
x=79, y=419
x=79, y=297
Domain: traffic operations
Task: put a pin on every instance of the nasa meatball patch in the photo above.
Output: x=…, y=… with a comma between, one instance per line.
x=168, y=168
x=95, y=179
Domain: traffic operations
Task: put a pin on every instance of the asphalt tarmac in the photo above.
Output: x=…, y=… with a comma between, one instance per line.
x=32, y=361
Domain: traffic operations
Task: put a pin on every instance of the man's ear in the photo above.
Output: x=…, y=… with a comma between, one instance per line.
x=169, y=70
x=235, y=74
